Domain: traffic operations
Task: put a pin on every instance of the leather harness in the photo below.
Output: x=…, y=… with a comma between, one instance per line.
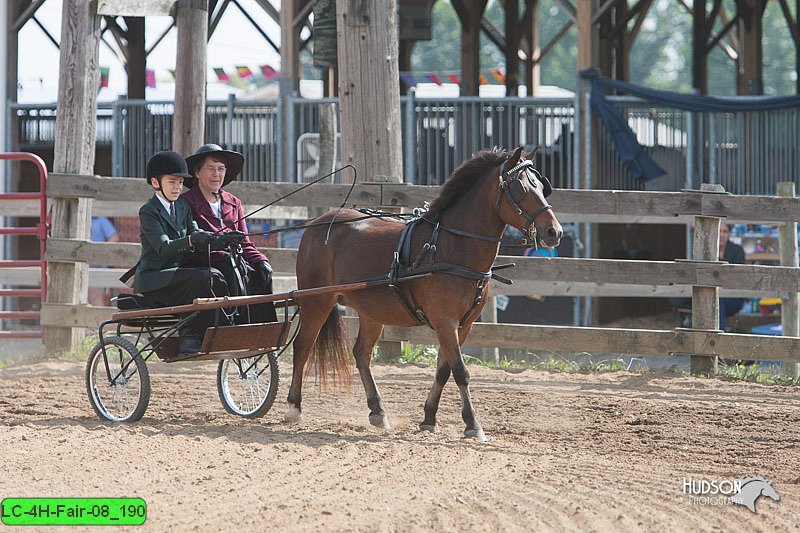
x=403, y=267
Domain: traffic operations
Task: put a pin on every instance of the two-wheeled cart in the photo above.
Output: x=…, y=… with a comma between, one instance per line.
x=117, y=377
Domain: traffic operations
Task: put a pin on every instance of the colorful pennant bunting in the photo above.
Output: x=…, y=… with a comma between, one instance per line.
x=408, y=79
x=498, y=75
x=150, y=78
x=221, y=75
x=434, y=78
x=104, y=76
x=243, y=72
x=269, y=72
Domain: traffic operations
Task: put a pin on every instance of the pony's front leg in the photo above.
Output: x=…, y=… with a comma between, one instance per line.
x=450, y=351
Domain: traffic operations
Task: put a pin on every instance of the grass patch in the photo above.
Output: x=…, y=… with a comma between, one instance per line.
x=754, y=373
x=552, y=362
x=80, y=352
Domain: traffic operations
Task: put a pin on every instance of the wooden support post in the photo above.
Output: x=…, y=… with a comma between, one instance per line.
x=705, y=300
x=750, y=64
x=368, y=74
x=137, y=60
x=188, y=129
x=327, y=140
x=790, y=306
x=700, y=32
x=470, y=13
x=533, y=68
x=288, y=84
x=79, y=78
x=489, y=314
x=513, y=33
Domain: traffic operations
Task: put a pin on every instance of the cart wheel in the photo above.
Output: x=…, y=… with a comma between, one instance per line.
x=126, y=399
x=247, y=387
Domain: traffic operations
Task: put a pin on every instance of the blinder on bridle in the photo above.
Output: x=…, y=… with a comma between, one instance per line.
x=514, y=190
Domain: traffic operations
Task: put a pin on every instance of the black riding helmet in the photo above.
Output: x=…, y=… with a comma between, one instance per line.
x=166, y=162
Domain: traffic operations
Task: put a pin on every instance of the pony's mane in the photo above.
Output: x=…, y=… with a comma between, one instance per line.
x=464, y=178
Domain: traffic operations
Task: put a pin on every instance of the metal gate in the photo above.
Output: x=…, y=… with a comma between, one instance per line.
x=40, y=231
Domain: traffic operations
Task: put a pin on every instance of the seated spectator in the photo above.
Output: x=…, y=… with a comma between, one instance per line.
x=103, y=230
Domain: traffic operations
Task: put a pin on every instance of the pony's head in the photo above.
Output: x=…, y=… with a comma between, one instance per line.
x=521, y=200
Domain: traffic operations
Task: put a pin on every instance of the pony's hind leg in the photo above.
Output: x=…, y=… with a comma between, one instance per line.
x=313, y=315
x=435, y=394
x=369, y=332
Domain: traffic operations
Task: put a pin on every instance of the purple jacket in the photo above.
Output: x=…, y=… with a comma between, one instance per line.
x=232, y=213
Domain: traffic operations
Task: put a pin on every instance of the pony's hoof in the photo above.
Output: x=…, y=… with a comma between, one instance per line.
x=292, y=414
x=432, y=428
x=379, y=421
x=476, y=434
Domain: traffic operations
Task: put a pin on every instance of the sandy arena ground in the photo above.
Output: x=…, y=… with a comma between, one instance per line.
x=566, y=452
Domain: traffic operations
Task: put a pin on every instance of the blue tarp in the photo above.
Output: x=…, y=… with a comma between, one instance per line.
x=632, y=154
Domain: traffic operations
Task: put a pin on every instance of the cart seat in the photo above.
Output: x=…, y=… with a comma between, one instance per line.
x=129, y=302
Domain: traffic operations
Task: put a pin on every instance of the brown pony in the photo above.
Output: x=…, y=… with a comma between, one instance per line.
x=481, y=197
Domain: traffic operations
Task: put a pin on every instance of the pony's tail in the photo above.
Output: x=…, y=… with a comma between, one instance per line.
x=331, y=351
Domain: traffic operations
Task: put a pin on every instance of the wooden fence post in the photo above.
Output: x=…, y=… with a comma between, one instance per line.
x=489, y=314
x=790, y=306
x=79, y=78
x=705, y=300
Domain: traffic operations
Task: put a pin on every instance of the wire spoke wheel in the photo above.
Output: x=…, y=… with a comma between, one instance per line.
x=247, y=387
x=118, y=384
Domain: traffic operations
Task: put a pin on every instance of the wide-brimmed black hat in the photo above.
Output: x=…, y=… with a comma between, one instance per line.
x=234, y=161
x=167, y=162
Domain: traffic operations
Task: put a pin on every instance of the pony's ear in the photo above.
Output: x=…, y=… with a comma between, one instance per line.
x=533, y=153
x=512, y=161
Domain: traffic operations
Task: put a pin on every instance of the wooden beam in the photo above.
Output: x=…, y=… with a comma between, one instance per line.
x=257, y=27
x=794, y=30
x=568, y=9
x=188, y=131
x=26, y=15
x=267, y=6
x=79, y=78
x=540, y=339
x=544, y=271
x=569, y=204
x=135, y=8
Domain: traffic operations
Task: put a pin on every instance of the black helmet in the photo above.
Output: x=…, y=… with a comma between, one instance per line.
x=234, y=161
x=167, y=162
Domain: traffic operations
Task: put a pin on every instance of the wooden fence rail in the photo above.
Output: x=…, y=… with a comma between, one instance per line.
x=554, y=276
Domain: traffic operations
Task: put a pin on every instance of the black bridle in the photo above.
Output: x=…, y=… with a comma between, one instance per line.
x=514, y=189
